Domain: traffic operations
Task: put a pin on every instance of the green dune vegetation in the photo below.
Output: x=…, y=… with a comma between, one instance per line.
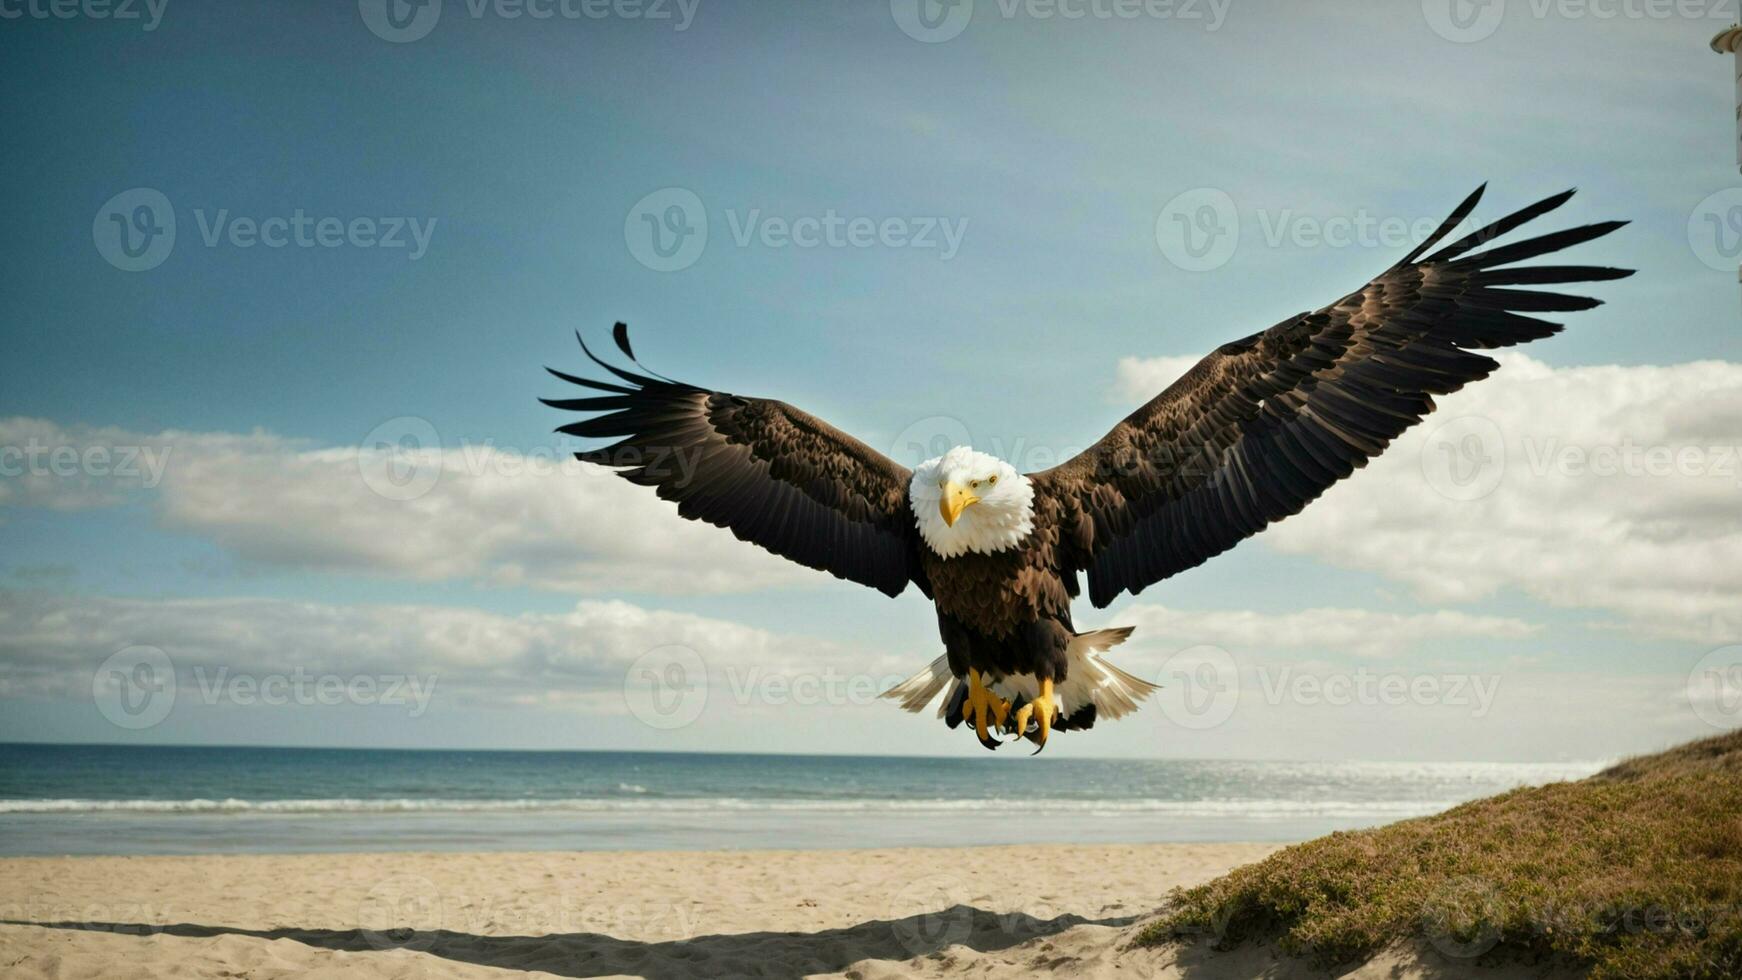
x=1635, y=872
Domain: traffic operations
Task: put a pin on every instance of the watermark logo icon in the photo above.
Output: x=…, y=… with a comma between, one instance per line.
x=1460, y=917
x=1200, y=687
x=667, y=230
x=932, y=21
x=1198, y=230
x=931, y=913
x=400, y=21
x=667, y=687
x=135, y=230
x=928, y=438
x=135, y=687
x=1715, y=230
x=1465, y=458
x=1464, y=21
x=401, y=912
x=400, y=459
x=1715, y=687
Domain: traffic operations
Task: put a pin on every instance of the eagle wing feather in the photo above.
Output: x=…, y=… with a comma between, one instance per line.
x=1264, y=425
x=771, y=474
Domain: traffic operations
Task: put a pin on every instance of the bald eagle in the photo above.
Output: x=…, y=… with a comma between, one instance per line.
x=1249, y=436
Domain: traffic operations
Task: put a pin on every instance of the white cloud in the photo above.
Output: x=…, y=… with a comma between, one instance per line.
x=1361, y=632
x=492, y=515
x=1612, y=488
x=1138, y=379
x=51, y=644
x=524, y=677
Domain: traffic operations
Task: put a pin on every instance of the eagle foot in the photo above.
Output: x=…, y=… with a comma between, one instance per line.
x=1033, y=719
x=987, y=711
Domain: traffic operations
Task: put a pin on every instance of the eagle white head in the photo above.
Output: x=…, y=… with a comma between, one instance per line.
x=968, y=501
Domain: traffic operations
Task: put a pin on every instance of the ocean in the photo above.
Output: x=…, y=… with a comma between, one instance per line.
x=103, y=799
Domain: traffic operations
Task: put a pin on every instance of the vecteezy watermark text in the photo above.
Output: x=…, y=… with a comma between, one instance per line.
x=37, y=458
x=135, y=230
x=306, y=689
x=137, y=687
x=403, y=21
x=667, y=230
x=148, y=12
x=1200, y=229
x=935, y=21
x=1469, y=21
x=1202, y=686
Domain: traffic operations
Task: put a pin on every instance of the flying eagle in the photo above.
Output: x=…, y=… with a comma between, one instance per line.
x=1249, y=436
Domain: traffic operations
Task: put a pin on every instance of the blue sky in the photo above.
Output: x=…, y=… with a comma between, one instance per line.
x=523, y=148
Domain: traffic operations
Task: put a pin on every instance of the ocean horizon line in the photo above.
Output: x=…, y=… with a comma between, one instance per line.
x=1282, y=760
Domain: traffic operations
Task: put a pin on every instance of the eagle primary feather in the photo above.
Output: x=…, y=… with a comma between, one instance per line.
x=1250, y=435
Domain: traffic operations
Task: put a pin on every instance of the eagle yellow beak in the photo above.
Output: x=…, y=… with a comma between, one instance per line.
x=956, y=499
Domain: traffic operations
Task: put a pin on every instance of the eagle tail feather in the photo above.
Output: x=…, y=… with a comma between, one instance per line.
x=917, y=691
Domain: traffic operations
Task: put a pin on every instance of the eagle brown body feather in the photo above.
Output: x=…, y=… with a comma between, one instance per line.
x=1250, y=435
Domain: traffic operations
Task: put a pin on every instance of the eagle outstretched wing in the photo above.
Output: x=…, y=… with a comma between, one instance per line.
x=1262, y=426
x=771, y=474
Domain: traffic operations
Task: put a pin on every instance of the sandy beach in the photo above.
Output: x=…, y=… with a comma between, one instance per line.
x=653, y=914
x=996, y=911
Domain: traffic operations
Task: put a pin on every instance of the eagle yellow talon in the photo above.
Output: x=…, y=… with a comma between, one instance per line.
x=984, y=709
x=1042, y=710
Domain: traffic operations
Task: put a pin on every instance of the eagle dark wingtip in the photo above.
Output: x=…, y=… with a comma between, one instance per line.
x=1459, y=213
x=629, y=376
x=620, y=334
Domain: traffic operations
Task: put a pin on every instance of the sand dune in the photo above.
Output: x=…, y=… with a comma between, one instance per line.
x=992, y=911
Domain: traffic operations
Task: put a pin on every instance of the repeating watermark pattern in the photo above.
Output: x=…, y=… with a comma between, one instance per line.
x=755, y=685
x=401, y=458
x=137, y=687
x=1200, y=687
x=1198, y=230
x=147, y=14
x=141, y=466
x=1633, y=460
x=935, y=435
x=936, y=21
x=135, y=231
x=930, y=913
x=1469, y=21
x=306, y=689
x=1715, y=687
x=1461, y=917
x=403, y=911
x=1464, y=458
x=666, y=687
x=930, y=438
x=1715, y=230
x=1201, y=229
x=404, y=21
x=667, y=230
x=1372, y=688
x=1464, y=21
